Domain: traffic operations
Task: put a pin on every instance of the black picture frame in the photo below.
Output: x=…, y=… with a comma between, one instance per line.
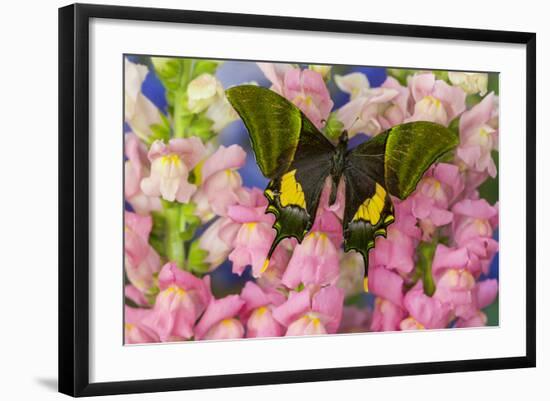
x=74, y=198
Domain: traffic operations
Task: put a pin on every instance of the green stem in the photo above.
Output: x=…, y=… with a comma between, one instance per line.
x=180, y=99
x=423, y=269
x=175, y=250
x=427, y=254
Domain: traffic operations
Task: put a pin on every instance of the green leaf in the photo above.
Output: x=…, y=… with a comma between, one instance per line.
x=151, y=294
x=411, y=149
x=442, y=75
x=130, y=303
x=169, y=70
x=188, y=221
x=196, y=260
x=156, y=238
x=353, y=300
x=492, y=312
x=454, y=126
x=493, y=83
x=333, y=128
x=201, y=126
x=160, y=131
x=205, y=67
x=489, y=189
x=400, y=74
x=472, y=100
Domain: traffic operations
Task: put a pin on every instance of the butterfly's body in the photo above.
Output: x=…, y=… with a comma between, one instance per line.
x=299, y=159
x=338, y=163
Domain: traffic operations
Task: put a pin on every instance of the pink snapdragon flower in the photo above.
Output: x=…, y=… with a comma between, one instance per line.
x=135, y=332
x=135, y=295
x=397, y=250
x=220, y=321
x=254, y=236
x=474, y=218
x=479, y=136
x=182, y=299
x=455, y=284
x=141, y=261
x=484, y=295
x=315, y=260
x=219, y=184
x=271, y=276
x=307, y=313
x=386, y=316
x=135, y=168
x=305, y=88
x=276, y=72
x=425, y=312
x=448, y=257
x=435, y=100
x=386, y=284
x=212, y=240
x=352, y=273
x=139, y=112
x=473, y=229
x=371, y=110
x=170, y=167
x=339, y=204
x=455, y=270
x=258, y=311
x=206, y=93
x=435, y=193
x=397, y=110
x=455, y=288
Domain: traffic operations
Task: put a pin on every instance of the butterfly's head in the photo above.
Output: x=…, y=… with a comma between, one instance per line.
x=343, y=139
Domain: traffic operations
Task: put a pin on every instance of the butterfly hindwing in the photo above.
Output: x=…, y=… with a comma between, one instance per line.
x=368, y=208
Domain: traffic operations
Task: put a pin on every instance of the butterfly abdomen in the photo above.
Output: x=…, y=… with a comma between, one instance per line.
x=338, y=163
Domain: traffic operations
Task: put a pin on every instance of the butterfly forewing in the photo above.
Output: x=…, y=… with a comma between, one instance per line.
x=273, y=124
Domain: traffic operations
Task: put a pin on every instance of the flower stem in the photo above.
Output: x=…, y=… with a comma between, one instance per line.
x=174, y=245
x=180, y=100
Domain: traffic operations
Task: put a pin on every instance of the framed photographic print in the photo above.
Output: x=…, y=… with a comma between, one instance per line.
x=346, y=199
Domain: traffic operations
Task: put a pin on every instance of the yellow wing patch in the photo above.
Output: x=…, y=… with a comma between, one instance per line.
x=371, y=209
x=291, y=192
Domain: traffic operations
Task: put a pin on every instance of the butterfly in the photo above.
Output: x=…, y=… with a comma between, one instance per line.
x=298, y=159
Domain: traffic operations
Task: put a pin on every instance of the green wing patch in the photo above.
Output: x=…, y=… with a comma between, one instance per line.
x=411, y=149
x=273, y=123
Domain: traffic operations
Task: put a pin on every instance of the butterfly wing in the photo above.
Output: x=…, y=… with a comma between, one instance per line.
x=391, y=163
x=411, y=149
x=273, y=123
x=368, y=209
x=290, y=151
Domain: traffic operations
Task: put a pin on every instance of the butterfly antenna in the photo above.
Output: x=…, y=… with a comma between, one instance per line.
x=351, y=126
